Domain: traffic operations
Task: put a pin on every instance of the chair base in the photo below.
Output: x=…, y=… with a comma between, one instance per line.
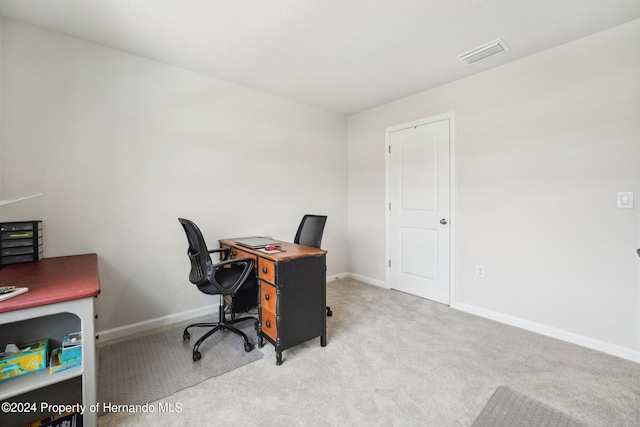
x=221, y=325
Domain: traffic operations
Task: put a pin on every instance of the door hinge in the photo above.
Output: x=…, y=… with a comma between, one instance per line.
x=389, y=263
x=389, y=149
x=389, y=205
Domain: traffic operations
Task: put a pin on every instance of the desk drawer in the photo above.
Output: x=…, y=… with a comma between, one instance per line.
x=269, y=325
x=268, y=297
x=267, y=270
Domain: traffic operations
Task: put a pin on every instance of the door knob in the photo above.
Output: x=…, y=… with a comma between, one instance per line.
x=443, y=221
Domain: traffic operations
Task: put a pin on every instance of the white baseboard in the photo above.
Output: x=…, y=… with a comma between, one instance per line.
x=335, y=277
x=560, y=334
x=122, y=331
x=367, y=280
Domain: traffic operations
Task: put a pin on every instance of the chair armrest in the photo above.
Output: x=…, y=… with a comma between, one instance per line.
x=233, y=261
x=226, y=251
x=219, y=250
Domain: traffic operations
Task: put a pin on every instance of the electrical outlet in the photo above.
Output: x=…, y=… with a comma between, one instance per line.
x=480, y=270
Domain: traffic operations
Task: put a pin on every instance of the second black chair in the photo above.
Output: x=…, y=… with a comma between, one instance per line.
x=310, y=233
x=222, y=278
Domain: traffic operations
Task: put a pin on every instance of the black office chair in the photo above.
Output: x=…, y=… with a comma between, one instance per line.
x=222, y=278
x=310, y=234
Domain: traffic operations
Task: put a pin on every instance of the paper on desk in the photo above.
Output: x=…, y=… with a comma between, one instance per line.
x=266, y=251
x=12, y=294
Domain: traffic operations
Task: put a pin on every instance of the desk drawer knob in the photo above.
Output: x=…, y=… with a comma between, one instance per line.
x=268, y=324
x=264, y=270
x=266, y=296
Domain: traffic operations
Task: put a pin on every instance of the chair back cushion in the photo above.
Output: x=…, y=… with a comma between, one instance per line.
x=310, y=230
x=198, y=253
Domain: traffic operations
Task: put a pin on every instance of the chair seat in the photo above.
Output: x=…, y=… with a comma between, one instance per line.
x=227, y=277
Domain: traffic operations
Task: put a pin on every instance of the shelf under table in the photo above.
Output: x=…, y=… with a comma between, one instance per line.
x=36, y=380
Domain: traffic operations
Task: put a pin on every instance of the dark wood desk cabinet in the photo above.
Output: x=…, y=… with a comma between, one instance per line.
x=293, y=294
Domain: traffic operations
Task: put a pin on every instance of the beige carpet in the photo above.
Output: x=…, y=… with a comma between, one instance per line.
x=154, y=365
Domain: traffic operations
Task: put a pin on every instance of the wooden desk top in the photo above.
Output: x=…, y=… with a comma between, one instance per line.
x=51, y=280
x=291, y=250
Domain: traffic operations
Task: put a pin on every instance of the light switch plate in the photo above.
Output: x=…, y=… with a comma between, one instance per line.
x=625, y=199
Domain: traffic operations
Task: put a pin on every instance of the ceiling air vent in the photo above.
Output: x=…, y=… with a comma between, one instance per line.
x=483, y=52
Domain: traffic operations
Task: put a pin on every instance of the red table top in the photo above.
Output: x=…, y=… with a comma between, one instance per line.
x=51, y=280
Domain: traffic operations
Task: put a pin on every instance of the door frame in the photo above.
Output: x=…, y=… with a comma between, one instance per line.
x=452, y=199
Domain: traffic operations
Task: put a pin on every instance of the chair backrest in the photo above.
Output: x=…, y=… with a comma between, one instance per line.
x=198, y=253
x=310, y=230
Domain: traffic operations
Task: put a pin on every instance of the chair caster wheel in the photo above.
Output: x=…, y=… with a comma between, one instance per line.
x=186, y=336
x=248, y=347
x=329, y=312
x=196, y=356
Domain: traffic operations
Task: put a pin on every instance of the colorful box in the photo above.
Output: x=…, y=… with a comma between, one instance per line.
x=71, y=348
x=56, y=364
x=26, y=361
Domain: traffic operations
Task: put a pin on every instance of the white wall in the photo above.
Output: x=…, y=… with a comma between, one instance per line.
x=121, y=146
x=543, y=146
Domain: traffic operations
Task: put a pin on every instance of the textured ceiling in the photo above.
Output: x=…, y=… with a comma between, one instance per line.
x=340, y=55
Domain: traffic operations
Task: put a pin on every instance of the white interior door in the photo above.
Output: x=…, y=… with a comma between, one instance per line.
x=419, y=191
